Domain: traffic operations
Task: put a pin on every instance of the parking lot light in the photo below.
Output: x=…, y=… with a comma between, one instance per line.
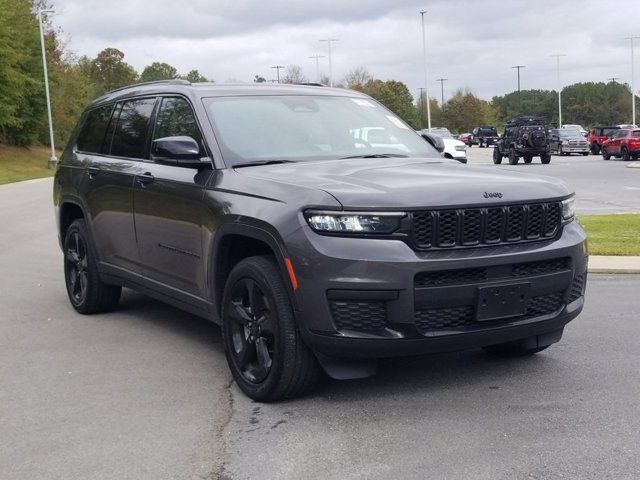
x=633, y=90
x=558, y=55
x=53, y=161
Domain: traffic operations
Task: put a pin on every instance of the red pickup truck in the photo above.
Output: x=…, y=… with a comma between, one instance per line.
x=625, y=143
x=597, y=136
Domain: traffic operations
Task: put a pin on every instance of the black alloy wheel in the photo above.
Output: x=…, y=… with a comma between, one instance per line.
x=265, y=352
x=75, y=268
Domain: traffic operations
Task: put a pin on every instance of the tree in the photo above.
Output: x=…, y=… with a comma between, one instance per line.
x=259, y=79
x=396, y=97
x=109, y=71
x=194, y=76
x=158, y=71
x=293, y=74
x=464, y=111
x=357, y=78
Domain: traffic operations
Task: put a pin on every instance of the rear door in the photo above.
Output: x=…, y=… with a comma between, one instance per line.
x=108, y=191
x=169, y=211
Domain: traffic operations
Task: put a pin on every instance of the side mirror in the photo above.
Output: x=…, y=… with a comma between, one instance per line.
x=183, y=151
x=435, y=141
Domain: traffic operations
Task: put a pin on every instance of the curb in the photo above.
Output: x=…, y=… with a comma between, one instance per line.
x=634, y=165
x=611, y=264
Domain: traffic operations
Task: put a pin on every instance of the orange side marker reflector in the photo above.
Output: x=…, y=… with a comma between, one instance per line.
x=292, y=274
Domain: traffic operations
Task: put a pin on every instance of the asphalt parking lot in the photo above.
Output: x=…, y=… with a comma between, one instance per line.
x=144, y=392
x=601, y=186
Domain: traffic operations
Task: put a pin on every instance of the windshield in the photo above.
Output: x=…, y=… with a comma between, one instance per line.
x=303, y=128
x=569, y=133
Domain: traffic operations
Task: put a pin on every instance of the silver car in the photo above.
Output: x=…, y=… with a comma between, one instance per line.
x=564, y=141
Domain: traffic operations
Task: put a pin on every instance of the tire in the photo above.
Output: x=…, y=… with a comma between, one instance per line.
x=497, y=158
x=87, y=292
x=585, y=154
x=266, y=354
x=605, y=154
x=625, y=155
x=560, y=152
x=480, y=144
x=545, y=158
x=595, y=149
x=512, y=350
x=513, y=158
x=528, y=158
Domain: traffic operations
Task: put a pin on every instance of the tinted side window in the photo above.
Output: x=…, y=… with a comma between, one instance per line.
x=176, y=118
x=93, y=130
x=130, y=136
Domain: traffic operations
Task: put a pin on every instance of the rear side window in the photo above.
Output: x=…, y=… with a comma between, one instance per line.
x=130, y=135
x=93, y=130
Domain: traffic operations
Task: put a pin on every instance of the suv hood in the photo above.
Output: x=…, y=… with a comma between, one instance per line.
x=411, y=183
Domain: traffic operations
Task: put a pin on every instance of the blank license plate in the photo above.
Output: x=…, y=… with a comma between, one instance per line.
x=502, y=301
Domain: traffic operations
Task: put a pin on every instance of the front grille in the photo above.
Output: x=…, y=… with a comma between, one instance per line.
x=485, y=226
x=476, y=275
x=577, y=288
x=435, y=319
x=355, y=315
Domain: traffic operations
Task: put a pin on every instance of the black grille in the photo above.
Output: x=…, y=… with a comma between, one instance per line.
x=485, y=226
x=577, y=288
x=435, y=319
x=472, y=275
x=354, y=315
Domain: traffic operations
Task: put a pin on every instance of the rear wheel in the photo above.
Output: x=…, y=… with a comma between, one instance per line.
x=545, y=158
x=625, y=154
x=87, y=292
x=605, y=153
x=497, y=158
x=513, y=158
x=264, y=350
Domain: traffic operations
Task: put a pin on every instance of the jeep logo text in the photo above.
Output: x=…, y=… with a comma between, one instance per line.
x=492, y=195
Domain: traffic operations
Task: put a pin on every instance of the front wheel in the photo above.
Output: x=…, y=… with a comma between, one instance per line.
x=87, y=292
x=497, y=157
x=605, y=154
x=545, y=158
x=264, y=350
x=625, y=155
x=528, y=158
x=513, y=158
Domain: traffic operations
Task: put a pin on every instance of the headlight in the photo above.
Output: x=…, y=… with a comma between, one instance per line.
x=358, y=223
x=568, y=208
x=460, y=148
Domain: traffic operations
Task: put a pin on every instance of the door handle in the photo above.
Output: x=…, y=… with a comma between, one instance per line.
x=145, y=179
x=93, y=171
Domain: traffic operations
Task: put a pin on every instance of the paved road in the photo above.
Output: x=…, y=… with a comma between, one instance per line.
x=144, y=392
x=601, y=186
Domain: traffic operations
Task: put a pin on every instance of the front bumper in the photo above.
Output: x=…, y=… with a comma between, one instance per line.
x=406, y=302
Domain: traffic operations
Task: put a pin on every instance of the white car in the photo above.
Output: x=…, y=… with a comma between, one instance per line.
x=453, y=148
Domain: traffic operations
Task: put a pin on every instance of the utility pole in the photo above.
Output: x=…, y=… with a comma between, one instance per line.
x=278, y=67
x=317, y=57
x=424, y=55
x=53, y=161
x=421, y=89
x=442, y=80
x=558, y=55
x=518, y=67
x=613, y=79
x=329, y=40
x=633, y=91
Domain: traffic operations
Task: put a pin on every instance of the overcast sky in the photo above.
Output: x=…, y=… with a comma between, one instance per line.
x=473, y=43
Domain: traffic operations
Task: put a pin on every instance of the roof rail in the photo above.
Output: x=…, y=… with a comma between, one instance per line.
x=172, y=81
x=311, y=84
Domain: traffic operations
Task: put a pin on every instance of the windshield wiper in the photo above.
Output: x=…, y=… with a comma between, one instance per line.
x=262, y=162
x=377, y=155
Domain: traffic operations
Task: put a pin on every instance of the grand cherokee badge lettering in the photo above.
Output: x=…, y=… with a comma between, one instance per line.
x=492, y=195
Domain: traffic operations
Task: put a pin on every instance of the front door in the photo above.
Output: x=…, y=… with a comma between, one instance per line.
x=169, y=211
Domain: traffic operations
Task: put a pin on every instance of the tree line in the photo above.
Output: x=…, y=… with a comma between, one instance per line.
x=74, y=82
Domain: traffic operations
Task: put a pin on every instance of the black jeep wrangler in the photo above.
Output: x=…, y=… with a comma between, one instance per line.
x=484, y=136
x=526, y=137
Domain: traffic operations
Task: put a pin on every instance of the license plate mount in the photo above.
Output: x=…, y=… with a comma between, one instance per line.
x=502, y=301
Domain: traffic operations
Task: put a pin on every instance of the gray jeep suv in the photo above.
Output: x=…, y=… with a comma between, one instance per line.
x=263, y=209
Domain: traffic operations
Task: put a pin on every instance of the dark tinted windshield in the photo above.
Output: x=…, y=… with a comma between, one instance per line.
x=302, y=128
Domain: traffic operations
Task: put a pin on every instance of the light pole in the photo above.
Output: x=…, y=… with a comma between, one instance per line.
x=558, y=55
x=633, y=91
x=518, y=67
x=421, y=90
x=317, y=57
x=424, y=55
x=278, y=67
x=329, y=40
x=53, y=161
x=441, y=80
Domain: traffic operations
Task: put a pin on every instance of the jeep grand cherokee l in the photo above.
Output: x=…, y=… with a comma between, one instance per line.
x=263, y=209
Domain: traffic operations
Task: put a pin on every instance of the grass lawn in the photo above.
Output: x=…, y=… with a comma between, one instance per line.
x=24, y=163
x=613, y=234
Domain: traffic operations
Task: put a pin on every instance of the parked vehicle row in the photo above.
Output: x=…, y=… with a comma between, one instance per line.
x=624, y=143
